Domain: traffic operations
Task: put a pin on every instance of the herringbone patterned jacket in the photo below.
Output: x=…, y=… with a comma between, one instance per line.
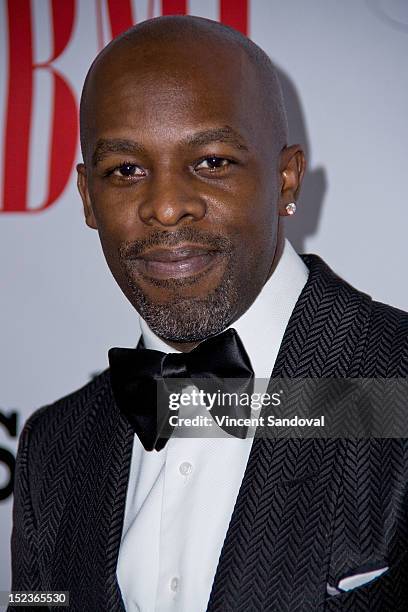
x=308, y=510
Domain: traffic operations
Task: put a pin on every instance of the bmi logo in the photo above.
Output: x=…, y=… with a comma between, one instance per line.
x=63, y=124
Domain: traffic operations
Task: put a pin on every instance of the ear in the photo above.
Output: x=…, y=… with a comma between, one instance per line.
x=292, y=166
x=82, y=183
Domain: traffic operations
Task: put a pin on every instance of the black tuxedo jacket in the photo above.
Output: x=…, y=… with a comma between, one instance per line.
x=308, y=510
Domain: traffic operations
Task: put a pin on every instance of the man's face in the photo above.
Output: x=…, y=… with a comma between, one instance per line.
x=182, y=183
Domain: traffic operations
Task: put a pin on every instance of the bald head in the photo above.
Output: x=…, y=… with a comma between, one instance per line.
x=193, y=43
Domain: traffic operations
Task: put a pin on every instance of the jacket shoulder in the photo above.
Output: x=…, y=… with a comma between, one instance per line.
x=54, y=435
x=387, y=341
x=377, y=332
x=100, y=384
x=43, y=424
x=390, y=314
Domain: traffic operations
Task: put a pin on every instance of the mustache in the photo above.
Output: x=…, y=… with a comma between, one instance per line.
x=135, y=248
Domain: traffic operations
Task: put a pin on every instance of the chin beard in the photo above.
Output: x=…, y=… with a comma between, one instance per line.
x=188, y=319
x=183, y=319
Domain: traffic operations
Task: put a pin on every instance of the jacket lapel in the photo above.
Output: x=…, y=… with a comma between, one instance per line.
x=276, y=551
x=122, y=444
x=85, y=471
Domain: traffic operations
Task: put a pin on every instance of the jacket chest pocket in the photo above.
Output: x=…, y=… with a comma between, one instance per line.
x=387, y=593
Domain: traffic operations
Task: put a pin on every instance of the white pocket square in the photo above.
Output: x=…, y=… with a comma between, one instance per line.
x=348, y=583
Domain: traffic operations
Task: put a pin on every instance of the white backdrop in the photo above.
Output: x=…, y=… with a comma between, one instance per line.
x=343, y=67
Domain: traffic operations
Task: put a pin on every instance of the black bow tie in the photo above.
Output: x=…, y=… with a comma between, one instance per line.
x=213, y=364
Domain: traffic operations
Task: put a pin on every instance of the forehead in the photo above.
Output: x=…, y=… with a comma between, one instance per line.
x=174, y=88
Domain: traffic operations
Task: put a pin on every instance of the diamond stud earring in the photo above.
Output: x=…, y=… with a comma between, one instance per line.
x=290, y=208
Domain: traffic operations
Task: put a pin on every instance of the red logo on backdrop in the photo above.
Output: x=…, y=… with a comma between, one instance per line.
x=63, y=119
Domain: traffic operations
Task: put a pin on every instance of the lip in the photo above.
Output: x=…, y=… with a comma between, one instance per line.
x=179, y=262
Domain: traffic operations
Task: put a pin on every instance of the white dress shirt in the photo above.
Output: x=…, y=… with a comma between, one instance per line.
x=180, y=500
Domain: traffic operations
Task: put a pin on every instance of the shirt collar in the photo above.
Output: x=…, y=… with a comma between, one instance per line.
x=262, y=326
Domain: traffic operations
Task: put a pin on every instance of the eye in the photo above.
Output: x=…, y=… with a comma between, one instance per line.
x=213, y=163
x=128, y=171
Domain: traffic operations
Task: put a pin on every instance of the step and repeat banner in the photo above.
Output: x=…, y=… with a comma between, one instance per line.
x=343, y=72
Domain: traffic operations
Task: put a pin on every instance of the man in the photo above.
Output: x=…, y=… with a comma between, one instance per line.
x=187, y=176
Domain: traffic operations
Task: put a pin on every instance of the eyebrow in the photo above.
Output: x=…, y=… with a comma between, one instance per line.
x=224, y=134
x=117, y=145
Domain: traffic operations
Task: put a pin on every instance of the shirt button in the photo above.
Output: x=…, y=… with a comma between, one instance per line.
x=185, y=468
x=174, y=584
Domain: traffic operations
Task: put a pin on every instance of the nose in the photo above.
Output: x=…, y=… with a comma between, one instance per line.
x=170, y=200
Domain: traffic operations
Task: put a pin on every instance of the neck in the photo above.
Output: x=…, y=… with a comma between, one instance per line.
x=280, y=241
